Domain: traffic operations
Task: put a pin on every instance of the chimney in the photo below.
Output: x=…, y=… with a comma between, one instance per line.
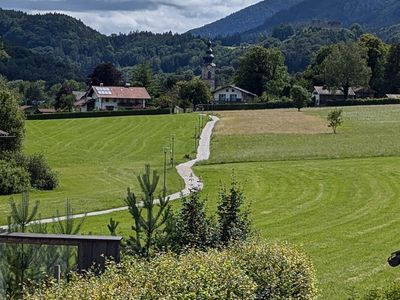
x=101, y=84
x=127, y=85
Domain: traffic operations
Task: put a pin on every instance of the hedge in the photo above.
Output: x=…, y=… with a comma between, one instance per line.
x=99, y=114
x=290, y=104
x=248, y=106
x=243, y=271
x=355, y=102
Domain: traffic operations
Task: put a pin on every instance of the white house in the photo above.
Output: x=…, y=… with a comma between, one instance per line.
x=113, y=98
x=232, y=94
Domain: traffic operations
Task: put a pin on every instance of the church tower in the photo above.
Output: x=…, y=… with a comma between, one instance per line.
x=208, y=70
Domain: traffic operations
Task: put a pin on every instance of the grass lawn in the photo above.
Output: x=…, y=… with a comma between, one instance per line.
x=335, y=195
x=97, y=159
x=280, y=135
x=344, y=213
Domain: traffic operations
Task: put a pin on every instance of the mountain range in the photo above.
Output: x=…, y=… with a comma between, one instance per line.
x=268, y=14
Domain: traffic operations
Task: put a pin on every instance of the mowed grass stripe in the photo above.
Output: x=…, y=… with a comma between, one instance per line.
x=98, y=158
x=343, y=212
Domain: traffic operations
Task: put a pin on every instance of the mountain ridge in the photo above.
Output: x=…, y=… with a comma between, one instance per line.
x=373, y=14
x=259, y=12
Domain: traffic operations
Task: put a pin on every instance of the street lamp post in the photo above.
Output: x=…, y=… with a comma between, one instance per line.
x=195, y=138
x=173, y=150
x=165, y=172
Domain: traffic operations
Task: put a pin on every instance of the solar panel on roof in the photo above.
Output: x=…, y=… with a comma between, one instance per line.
x=104, y=90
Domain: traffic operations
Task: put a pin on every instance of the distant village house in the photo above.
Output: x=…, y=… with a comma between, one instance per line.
x=34, y=110
x=393, y=96
x=322, y=95
x=113, y=98
x=232, y=94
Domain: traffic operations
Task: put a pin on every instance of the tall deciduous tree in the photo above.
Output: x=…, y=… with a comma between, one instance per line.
x=105, y=73
x=195, y=91
x=392, y=72
x=142, y=76
x=300, y=96
x=262, y=70
x=376, y=57
x=12, y=120
x=345, y=67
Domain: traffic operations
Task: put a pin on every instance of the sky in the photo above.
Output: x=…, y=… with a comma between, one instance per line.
x=115, y=16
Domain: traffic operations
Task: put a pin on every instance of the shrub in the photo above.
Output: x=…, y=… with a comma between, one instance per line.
x=243, y=271
x=195, y=275
x=280, y=271
x=41, y=175
x=13, y=179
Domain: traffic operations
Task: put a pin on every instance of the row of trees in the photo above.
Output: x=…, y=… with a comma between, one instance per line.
x=157, y=228
x=368, y=63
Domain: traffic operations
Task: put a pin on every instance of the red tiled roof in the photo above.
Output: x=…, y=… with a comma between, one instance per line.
x=118, y=92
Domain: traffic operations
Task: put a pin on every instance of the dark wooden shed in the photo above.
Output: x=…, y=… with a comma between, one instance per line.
x=92, y=250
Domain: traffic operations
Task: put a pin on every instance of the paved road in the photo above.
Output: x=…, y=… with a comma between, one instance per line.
x=184, y=170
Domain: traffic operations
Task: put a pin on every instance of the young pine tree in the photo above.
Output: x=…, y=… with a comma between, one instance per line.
x=149, y=215
x=233, y=219
x=193, y=228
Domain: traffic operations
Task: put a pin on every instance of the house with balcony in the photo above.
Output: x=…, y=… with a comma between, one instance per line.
x=232, y=94
x=112, y=98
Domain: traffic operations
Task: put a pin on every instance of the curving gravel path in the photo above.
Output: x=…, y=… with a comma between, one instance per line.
x=184, y=170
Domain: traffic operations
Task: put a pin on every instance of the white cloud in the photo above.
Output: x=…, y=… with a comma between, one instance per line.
x=155, y=15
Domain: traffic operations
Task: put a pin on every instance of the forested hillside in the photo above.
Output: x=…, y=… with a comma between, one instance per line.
x=36, y=43
x=54, y=47
x=372, y=14
x=245, y=19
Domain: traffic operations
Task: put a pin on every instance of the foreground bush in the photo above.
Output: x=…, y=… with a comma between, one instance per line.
x=196, y=275
x=253, y=271
x=13, y=179
x=280, y=271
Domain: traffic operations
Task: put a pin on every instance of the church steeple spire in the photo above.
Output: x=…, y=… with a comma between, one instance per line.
x=209, y=58
x=208, y=70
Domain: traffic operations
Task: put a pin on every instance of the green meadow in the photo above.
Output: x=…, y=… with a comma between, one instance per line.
x=337, y=196
x=97, y=159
